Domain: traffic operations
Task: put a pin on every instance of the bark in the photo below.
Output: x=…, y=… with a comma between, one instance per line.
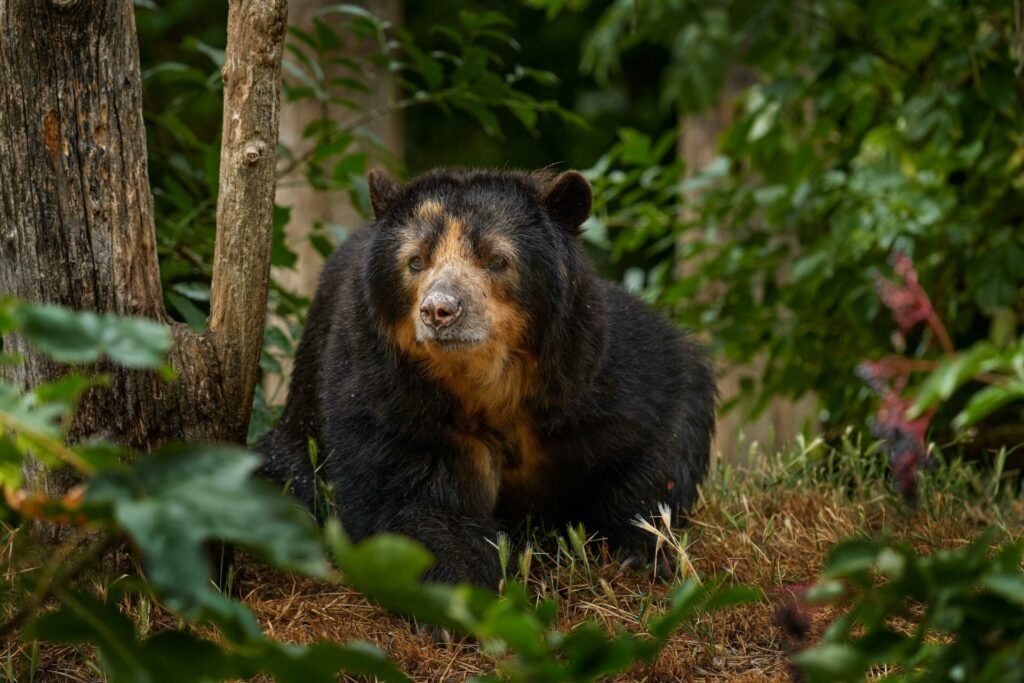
x=245, y=207
x=77, y=213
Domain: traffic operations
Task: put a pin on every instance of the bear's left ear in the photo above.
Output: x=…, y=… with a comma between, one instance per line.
x=383, y=190
x=568, y=200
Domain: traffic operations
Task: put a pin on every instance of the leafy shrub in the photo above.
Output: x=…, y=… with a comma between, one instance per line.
x=957, y=615
x=904, y=416
x=870, y=128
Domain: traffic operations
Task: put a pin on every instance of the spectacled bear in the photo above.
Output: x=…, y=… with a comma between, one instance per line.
x=463, y=366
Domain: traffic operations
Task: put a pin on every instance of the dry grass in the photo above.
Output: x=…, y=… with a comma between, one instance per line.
x=770, y=528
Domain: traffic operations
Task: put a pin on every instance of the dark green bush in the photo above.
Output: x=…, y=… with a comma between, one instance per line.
x=957, y=615
x=870, y=128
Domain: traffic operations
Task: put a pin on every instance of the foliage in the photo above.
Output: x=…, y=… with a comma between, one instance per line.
x=1001, y=368
x=957, y=615
x=167, y=505
x=902, y=419
x=858, y=129
x=388, y=569
x=172, y=503
x=348, y=54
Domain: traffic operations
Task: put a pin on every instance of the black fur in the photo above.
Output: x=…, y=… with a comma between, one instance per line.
x=625, y=408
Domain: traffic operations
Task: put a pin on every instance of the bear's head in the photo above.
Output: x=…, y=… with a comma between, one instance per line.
x=467, y=270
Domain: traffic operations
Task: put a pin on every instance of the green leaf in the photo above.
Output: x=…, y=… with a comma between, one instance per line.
x=281, y=254
x=28, y=416
x=830, y=663
x=159, y=659
x=388, y=569
x=172, y=502
x=321, y=662
x=384, y=562
x=192, y=314
x=685, y=600
x=102, y=455
x=850, y=557
x=826, y=592
x=68, y=389
x=987, y=401
x=11, y=461
x=951, y=375
x=164, y=654
x=84, y=619
x=85, y=337
x=352, y=164
x=1007, y=585
x=482, y=114
x=329, y=149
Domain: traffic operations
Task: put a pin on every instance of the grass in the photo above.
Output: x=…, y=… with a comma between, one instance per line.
x=768, y=525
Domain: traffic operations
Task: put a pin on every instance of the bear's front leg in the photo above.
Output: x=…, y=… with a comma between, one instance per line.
x=419, y=490
x=461, y=545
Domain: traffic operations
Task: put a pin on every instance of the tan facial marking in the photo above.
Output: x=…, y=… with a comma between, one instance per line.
x=452, y=249
x=428, y=209
x=490, y=379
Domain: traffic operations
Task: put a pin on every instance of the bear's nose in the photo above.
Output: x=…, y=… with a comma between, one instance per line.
x=440, y=309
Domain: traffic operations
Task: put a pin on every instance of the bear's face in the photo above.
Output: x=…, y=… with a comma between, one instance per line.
x=465, y=268
x=461, y=269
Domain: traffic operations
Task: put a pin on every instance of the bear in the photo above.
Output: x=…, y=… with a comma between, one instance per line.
x=464, y=367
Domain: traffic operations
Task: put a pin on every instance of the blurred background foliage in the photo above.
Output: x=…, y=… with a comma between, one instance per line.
x=757, y=167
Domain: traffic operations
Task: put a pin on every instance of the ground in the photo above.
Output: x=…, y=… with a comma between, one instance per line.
x=769, y=526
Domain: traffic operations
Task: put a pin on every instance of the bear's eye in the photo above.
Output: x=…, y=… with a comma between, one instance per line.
x=497, y=264
x=416, y=264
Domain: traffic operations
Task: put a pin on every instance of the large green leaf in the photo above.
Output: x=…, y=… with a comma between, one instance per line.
x=173, y=501
x=389, y=568
x=84, y=619
x=831, y=663
x=86, y=337
x=987, y=401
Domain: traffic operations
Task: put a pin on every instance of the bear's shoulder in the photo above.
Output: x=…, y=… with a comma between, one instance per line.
x=647, y=353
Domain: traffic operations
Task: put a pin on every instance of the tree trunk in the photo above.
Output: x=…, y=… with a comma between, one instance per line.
x=77, y=209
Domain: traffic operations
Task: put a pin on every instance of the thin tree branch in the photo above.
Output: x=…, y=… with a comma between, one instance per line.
x=359, y=121
x=245, y=207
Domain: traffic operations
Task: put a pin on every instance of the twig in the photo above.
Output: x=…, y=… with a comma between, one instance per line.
x=358, y=122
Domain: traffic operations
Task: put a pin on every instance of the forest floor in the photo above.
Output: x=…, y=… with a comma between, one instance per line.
x=770, y=526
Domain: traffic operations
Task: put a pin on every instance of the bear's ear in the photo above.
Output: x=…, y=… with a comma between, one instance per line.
x=568, y=200
x=383, y=190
